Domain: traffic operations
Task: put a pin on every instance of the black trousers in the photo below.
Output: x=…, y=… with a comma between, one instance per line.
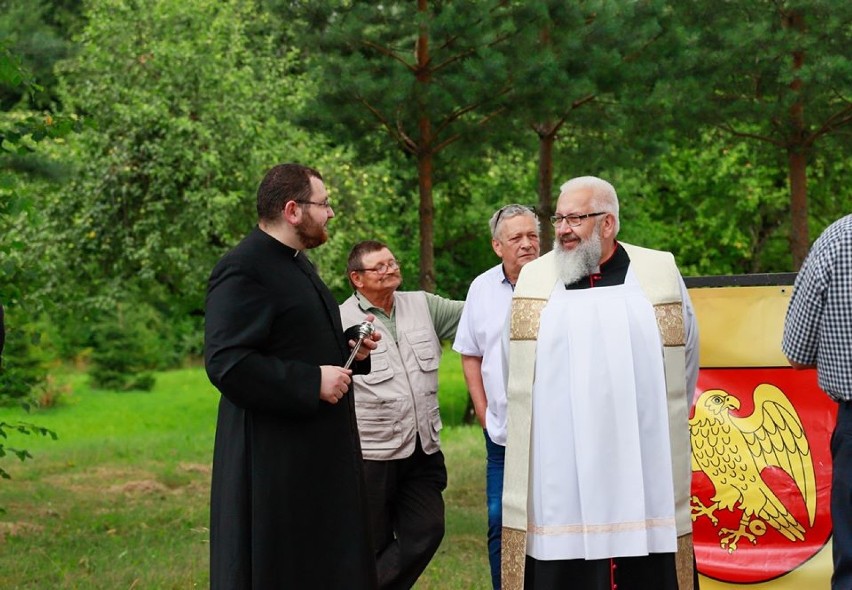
x=407, y=515
x=841, y=498
x=651, y=572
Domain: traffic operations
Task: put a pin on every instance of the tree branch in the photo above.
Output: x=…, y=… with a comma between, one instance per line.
x=391, y=54
x=458, y=113
x=452, y=59
x=407, y=142
x=454, y=116
x=635, y=54
x=833, y=123
x=553, y=129
x=398, y=135
x=446, y=142
x=483, y=121
x=727, y=127
x=447, y=42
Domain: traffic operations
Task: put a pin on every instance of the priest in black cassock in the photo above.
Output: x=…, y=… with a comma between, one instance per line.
x=288, y=508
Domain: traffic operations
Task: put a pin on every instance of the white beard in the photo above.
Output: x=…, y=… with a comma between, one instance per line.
x=583, y=260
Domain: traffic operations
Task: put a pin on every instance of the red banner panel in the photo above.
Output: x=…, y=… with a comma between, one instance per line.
x=761, y=472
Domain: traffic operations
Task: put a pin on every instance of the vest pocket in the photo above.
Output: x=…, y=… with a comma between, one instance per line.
x=437, y=425
x=427, y=353
x=379, y=433
x=380, y=369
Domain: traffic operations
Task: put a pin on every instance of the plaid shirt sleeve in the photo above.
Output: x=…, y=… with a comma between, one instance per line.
x=801, y=327
x=818, y=327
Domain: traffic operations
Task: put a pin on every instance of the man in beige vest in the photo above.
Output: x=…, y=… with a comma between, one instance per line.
x=603, y=359
x=397, y=411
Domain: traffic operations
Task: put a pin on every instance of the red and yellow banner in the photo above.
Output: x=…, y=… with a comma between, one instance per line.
x=760, y=447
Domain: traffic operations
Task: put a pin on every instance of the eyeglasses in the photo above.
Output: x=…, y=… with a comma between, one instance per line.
x=326, y=203
x=573, y=220
x=382, y=268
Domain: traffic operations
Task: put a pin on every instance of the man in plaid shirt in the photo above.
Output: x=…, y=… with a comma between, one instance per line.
x=818, y=333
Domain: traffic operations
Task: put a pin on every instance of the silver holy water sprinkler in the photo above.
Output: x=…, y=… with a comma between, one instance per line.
x=364, y=329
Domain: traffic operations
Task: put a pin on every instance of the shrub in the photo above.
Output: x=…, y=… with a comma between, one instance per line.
x=23, y=370
x=122, y=353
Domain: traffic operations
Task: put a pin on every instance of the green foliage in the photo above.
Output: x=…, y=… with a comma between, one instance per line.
x=38, y=32
x=374, y=202
x=777, y=72
x=20, y=133
x=189, y=109
x=465, y=202
x=118, y=361
x=23, y=371
x=735, y=192
x=186, y=117
x=709, y=187
x=372, y=81
x=422, y=76
x=452, y=393
x=133, y=339
x=741, y=59
x=568, y=55
x=195, y=99
x=20, y=428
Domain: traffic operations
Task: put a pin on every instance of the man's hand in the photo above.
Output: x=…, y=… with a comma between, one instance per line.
x=334, y=383
x=369, y=343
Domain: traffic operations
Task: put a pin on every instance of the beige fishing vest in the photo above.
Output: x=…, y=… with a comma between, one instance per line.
x=398, y=400
x=660, y=281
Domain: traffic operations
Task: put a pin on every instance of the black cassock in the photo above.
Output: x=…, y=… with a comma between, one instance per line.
x=288, y=507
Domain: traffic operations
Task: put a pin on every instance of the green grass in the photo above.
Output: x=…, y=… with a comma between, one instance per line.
x=121, y=500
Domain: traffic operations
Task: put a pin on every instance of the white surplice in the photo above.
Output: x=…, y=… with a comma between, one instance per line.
x=600, y=470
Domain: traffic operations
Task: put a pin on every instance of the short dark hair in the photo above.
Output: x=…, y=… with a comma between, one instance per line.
x=284, y=182
x=357, y=253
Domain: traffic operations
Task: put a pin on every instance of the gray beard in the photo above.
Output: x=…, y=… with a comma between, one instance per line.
x=573, y=265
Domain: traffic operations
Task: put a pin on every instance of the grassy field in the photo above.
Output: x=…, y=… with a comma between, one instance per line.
x=121, y=500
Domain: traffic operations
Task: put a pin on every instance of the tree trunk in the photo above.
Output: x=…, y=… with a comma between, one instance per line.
x=798, y=206
x=424, y=161
x=546, y=139
x=797, y=158
x=427, y=220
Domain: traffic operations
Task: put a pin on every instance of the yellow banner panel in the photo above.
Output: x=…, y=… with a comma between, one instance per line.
x=741, y=326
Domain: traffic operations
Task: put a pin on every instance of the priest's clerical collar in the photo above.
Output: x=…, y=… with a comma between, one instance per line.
x=612, y=272
x=300, y=258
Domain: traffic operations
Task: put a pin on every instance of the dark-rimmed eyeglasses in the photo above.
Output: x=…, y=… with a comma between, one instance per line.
x=382, y=268
x=326, y=203
x=573, y=220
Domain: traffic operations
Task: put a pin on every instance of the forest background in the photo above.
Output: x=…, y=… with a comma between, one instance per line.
x=135, y=132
